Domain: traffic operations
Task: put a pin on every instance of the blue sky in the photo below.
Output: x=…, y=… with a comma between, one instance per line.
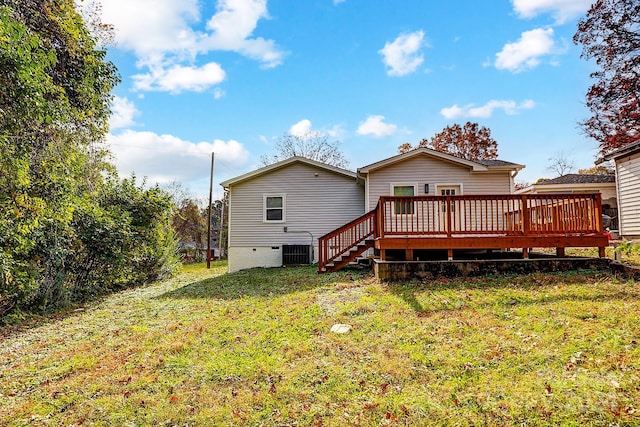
x=232, y=76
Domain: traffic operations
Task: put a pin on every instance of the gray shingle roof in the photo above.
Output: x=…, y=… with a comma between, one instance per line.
x=575, y=178
x=495, y=163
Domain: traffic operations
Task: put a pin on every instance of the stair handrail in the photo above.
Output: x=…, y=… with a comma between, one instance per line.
x=339, y=241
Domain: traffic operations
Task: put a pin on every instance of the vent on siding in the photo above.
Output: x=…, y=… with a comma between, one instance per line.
x=296, y=254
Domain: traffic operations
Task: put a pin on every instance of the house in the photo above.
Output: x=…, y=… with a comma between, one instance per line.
x=277, y=213
x=582, y=183
x=285, y=207
x=627, y=161
x=301, y=211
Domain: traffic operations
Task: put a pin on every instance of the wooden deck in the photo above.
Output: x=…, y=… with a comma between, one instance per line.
x=448, y=223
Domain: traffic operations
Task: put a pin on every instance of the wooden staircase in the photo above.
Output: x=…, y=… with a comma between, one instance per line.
x=343, y=245
x=347, y=257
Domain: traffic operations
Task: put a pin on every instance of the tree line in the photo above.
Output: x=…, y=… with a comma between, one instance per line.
x=70, y=228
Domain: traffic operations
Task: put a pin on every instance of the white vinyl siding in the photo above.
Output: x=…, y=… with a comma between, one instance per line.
x=317, y=201
x=424, y=169
x=628, y=179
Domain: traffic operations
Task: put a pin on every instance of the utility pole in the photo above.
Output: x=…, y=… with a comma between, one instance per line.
x=209, y=214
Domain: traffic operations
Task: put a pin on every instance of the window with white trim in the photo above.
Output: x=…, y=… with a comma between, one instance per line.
x=404, y=207
x=274, y=208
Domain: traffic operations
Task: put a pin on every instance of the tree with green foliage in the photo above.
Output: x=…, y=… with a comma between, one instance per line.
x=54, y=176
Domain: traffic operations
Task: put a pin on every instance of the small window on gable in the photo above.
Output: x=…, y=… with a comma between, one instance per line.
x=274, y=207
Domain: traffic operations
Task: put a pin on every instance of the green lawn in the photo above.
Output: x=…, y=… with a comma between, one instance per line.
x=255, y=348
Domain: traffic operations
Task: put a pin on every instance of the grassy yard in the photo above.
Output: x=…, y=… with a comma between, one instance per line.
x=255, y=348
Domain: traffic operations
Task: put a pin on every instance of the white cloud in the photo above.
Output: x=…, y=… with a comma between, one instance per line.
x=123, y=112
x=374, y=125
x=525, y=53
x=402, y=56
x=305, y=128
x=218, y=93
x=486, y=110
x=166, y=158
x=562, y=10
x=178, y=78
x=150, y=27
x=302, y=128
x=232, y=26
x=337, y=131
x=163, y=34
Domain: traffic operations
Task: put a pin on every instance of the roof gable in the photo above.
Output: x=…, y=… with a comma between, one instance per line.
x=284, y=163
x=475, y=166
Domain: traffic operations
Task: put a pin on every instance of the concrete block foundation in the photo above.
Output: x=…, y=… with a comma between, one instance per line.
x=426, y=270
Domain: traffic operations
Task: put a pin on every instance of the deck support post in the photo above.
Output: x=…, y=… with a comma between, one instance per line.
x=409, y=255
x=450, y=254
x=525, y=253
x=601, y=252
x=560, y=252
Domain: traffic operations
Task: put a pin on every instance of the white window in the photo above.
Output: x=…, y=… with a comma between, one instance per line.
x=274, y=208
x=404, y=207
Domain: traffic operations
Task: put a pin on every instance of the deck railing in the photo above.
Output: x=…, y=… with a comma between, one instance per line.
x=334, y=244
x=451, y=216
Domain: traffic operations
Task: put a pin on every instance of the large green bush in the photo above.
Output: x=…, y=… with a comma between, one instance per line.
x=70, y=229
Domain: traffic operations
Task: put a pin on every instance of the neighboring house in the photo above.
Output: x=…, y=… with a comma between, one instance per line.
x=627, y=161
x=582, y=183
x=285, y=207
x=277, y=213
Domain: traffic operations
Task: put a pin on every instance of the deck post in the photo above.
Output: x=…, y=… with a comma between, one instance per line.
x=525, y=253
x=448, y=209
x=526, y=217
x=409, y=255
x=601, y=252
x=450, y=254
x=600, y=225
x=560, y=252
x=380, y=210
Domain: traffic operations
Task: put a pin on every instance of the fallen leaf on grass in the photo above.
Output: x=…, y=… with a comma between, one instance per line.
x=173, y=399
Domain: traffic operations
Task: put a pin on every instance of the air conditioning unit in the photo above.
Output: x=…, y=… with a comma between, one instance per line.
x=296, y=254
